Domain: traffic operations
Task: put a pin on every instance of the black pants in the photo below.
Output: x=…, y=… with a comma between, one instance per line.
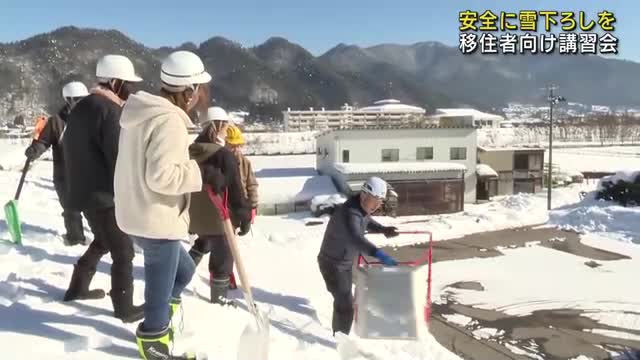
x=72, y=218
x=220, y=259
x=109, y=238
x=338, y=282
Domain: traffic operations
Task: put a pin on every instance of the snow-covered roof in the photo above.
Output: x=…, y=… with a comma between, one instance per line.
x=392, y=106
x=284, y=189
x=484, y=170
x=397, y=167
x=510, y=148
x=476, y=114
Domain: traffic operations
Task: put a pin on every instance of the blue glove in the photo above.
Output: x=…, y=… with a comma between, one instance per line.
x=384, y=258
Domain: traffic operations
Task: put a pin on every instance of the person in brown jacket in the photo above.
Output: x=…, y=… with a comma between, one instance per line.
x=235, y=141
x=215, y=159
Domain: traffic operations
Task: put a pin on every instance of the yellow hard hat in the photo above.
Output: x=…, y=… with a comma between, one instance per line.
x=234, y=136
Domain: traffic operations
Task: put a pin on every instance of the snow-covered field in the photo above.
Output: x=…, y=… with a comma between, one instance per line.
x=597, y=159
x=281, y=259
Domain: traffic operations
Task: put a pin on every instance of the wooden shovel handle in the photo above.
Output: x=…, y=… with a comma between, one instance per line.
x=230, y=235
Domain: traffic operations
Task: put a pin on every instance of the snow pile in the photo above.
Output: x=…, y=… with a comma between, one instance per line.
x=625, y=176
x=397, y=167
x=485, y=170
x=598, y=216
x=280, y=143
x=504, y=212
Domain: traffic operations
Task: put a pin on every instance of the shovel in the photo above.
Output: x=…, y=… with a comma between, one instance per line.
x=11, y=210
x=254, y=341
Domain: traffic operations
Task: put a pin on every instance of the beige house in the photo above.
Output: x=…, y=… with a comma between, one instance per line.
x=520, y=170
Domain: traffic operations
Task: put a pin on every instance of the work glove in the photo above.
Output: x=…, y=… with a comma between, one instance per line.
x=245, y=227
x=390, y=231
x=242, y=220
x=213, y=176
x=384, y=258
x=31, y=153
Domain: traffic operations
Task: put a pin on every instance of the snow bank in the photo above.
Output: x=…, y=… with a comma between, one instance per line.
x=504, y=212
x=626, y=176
x=599, y=216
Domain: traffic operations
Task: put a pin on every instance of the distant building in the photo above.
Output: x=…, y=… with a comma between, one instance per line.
x=520, y=170
x=467, y=117
x=432, y=169
x=384, y=112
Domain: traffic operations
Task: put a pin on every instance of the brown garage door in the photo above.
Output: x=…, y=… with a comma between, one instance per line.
x=432, y=197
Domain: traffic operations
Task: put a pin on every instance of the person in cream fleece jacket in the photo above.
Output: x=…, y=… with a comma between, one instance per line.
x=153, y=181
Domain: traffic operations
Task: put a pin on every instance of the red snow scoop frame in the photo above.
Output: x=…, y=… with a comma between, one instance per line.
x=427, y=258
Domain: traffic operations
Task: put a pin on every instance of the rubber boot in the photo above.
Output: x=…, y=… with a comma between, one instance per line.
x=79, y=286
x=123, y=308
x=219, y=288
x=154, y=345
x=174, y=306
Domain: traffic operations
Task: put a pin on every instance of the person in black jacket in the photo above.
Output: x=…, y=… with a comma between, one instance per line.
x=51, y=137
x=90, y=151
x=220, y=169
x=344, y=240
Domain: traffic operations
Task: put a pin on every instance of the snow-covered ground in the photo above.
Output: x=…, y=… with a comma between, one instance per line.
x=280, y=256
x=597, y=159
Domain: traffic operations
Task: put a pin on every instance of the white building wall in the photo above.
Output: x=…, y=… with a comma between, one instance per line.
x=365, y=146
x=324, y=164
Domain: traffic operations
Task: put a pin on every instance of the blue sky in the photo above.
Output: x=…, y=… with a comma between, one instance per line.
x=316, y=25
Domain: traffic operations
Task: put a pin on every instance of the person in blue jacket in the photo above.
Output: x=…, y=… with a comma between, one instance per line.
x=344, y=240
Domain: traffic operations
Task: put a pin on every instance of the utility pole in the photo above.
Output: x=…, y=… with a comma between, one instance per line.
x=552, y=99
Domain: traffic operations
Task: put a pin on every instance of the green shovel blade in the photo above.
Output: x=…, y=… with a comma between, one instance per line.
x=13, y=221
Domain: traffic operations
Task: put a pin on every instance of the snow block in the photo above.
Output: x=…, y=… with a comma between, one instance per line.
x=390, y=302
x=10, y=294
x=85, y=343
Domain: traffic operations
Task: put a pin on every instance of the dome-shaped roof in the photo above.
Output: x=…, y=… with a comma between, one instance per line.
x=392, y=106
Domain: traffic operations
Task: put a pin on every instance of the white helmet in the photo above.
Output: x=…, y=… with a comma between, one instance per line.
x=182, y=69
x=74, y=89
x=116, y=67
x=217, y=113
x=375, y=187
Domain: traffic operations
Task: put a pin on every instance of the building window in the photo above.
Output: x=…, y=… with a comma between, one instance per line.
x=424, y=153
x=345, y=156
x=521, y=162
x=389, y=155
x=458, y=153
x=535, y=162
